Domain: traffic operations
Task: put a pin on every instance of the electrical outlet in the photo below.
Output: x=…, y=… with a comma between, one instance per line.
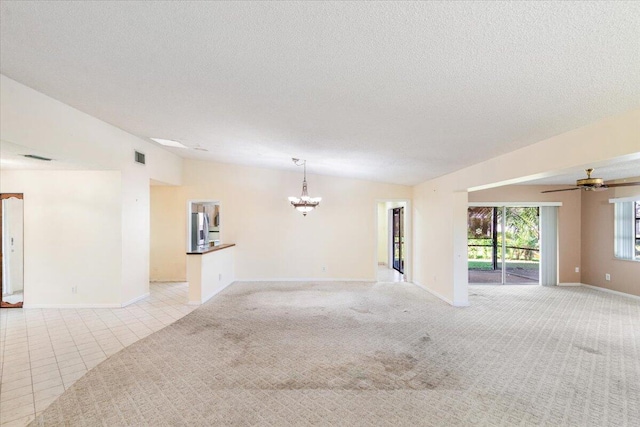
x=74, y=289
x=577, y=269
x=220, y=277
x=607, y=277
x=324, y=269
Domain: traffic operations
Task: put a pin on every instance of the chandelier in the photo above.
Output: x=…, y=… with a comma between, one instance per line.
x=304, y=203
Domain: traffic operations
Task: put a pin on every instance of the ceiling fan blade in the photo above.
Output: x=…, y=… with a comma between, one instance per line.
x=622, y=184
x=564, y=189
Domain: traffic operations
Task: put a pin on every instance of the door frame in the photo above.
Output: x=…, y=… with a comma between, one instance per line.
x=401, y=238
x=408, y=237
x=3, y=304
x=512, y=205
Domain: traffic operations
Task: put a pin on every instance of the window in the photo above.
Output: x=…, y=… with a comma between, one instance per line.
x=637, y=229
x=627, y=230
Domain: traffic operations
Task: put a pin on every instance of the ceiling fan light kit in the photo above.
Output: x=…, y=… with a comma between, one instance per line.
x=593, y=184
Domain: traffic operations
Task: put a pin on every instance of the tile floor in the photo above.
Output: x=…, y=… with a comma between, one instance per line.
x=44, y=351
x=386, y=274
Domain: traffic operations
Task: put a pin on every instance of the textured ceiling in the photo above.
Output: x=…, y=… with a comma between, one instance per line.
x=394, y=92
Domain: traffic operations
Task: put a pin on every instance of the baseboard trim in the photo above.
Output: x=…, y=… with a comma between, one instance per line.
x=461, y=303
x=136, y=299
x=611, y=291
x=211, y=295
x=167, y=281
x=569, y=284
x=72, y=306
x=305, y=279
x=442, y=297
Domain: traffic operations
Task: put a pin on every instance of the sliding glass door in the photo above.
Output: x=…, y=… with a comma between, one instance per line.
x=398, y=239
x=504, y=245
x=522, y=245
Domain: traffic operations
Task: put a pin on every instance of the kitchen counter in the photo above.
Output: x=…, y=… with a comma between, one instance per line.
x=209, y=271
x=211, y=249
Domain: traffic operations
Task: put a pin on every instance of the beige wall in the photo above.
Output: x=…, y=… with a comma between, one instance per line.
x=209, y=274
x=440, y=204
x=71, y=236
x=168, y=234
x=383, y=233
x=440, y=243
x=274, y=241
x=568, y=219
x=598, y=244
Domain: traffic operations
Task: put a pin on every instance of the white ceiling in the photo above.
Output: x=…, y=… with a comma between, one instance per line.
x=387, y=91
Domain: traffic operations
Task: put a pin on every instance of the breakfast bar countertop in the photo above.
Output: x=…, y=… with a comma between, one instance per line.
x=211, y=249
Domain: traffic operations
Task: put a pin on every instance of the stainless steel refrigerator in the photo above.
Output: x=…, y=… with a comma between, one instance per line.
x=199, y=231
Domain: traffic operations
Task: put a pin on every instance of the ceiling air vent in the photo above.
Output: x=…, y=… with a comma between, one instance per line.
x=33, y=156
x=140, y=158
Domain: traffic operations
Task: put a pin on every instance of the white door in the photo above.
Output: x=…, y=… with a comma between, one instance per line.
x=12, y=246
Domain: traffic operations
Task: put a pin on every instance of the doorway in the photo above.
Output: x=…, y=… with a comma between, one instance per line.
x=504, y=245
x=11, y=250
x=398, y=239
x=393, y=240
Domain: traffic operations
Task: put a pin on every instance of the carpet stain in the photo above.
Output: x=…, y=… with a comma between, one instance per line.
x=236, y=337
x=397, y=364
x=587, y=349
x=334, y=356
x=202, y=328
x=359, y=354
x=384, y=371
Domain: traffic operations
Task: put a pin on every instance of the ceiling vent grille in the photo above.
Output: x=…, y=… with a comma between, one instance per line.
x=33, y=156
x=140, y=158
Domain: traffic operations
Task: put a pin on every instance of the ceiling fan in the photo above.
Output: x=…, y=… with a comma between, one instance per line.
x=592, y=184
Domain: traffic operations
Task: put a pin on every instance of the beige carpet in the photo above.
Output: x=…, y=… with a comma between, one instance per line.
x=291, y=354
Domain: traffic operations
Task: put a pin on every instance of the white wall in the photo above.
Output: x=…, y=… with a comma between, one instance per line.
x=441, y=203
x=274, y=241
x=34, y=120
x=71, y=236
x=136, y=212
